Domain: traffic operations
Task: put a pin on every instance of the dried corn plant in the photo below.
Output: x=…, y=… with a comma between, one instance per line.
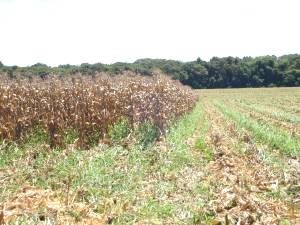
x=88, y=105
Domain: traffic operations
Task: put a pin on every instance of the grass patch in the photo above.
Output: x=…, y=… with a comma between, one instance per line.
x=177, y=136
x=156, y=209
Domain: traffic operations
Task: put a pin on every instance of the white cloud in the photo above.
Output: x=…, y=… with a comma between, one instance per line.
x=67, y=31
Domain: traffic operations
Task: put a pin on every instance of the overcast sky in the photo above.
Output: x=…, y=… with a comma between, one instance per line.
x=69, y=31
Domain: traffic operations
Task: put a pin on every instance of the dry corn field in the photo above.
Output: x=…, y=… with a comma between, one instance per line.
x=234, y=158
x=88, y=106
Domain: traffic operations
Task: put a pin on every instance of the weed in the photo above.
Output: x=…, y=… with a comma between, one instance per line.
x=146, y=134
x=120, y=130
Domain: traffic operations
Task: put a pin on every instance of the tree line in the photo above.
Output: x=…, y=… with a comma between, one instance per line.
x=226, y=72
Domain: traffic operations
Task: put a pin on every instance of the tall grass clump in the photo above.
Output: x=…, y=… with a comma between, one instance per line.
x=146, y=134
x=119, y=131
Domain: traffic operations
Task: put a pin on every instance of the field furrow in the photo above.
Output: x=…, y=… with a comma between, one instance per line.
x=245, y=181
x=274, y=119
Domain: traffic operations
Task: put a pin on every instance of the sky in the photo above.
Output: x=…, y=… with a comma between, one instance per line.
x=58, y=32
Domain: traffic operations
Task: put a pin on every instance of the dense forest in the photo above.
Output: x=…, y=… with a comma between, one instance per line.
x=227, y=72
